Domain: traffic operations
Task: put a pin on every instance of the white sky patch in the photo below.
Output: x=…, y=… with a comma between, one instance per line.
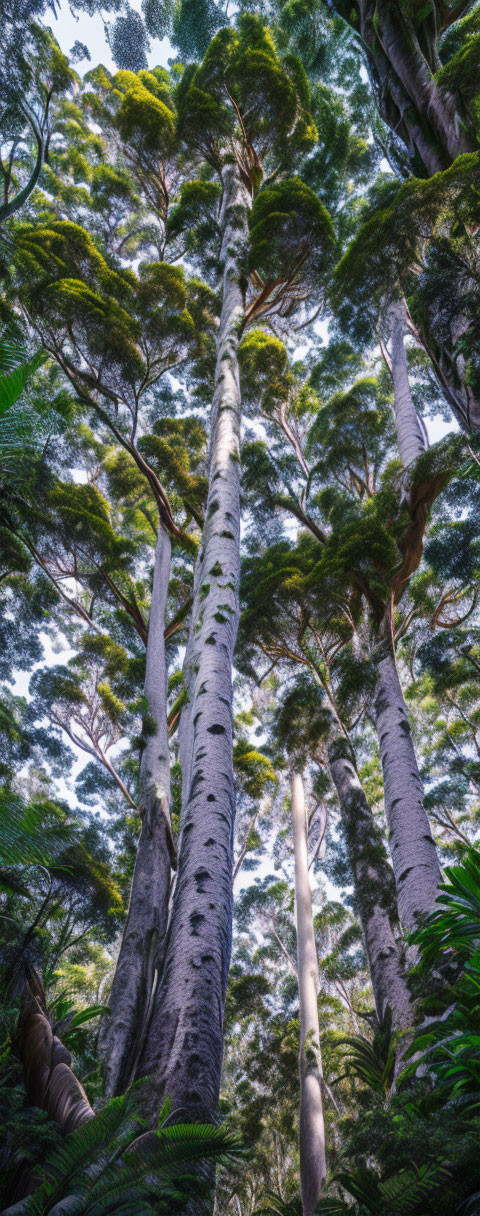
x=91, y=30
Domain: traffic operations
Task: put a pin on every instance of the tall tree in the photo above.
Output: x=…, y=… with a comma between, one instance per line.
x=343, y=459
x=313, y=1167
x=241, y=109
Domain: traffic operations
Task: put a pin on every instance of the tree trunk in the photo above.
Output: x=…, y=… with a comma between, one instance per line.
x=437, y=108
x=313, y=1168
x=411, y=437
x=49, y=1080
x=414, y=857
x=429, y=120
x=374, y=885
x=184, y=1046
x=139, y=961
x=449, y=366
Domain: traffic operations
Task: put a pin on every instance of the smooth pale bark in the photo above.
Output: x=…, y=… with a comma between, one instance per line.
x=313, y=1167
x=411, y=437
x=183, y=1052
x=374, y=885
x=414, y=856
x=49, y=1080
x=141, y=951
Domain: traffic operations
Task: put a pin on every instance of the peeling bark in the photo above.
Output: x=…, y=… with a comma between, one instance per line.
x=49, y=1080
x=139, y=960
x=414, y=856
x=313, y=1166
x=411, y=435
x=183, y=1051
x=374, y=885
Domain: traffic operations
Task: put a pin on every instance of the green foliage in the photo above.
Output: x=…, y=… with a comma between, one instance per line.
x=15, y=373
x=242, y=66
x=291, y=233
x=373, y=1063
x=26, y=836
x=113, y=1161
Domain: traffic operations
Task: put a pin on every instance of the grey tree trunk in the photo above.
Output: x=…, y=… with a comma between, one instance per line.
x=183, y=1051
x=404, y=60
x=139, y=961
x=374, y=885
x=411, y=436
x=313, y=1167
x=414, y=856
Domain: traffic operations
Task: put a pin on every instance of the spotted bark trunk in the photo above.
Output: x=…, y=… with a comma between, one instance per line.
x=183, y=1052
x=414, y=856
x=411, y=434
x=313, y=1168
x=136, y=974
x=374, y=885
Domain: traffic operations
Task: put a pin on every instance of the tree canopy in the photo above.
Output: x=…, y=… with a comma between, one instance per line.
x=239, y=609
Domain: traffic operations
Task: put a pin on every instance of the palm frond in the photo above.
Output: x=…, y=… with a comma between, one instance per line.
x=24, y=838
x=112, y=1164
x=373, y=1063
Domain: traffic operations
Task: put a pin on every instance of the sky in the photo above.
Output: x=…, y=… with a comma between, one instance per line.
x=90, y=30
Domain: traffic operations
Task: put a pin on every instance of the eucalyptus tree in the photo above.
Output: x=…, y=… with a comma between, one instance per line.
x=373, y=556
x=417, y=239
x=442, y=657
x=286, y=622
x=113, y=354
x=261, y=1083
x=244, y=112
x=136, y=114
x=423, y=81
x=313, y=1165
x=35, y=75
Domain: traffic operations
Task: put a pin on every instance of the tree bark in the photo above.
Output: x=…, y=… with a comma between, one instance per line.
x=313, y=1167
x=411, y=437
x=414, y=857
x=49, y=1080
x=403, y=59
x=183, y=1052
x=436, y=107
x=449, y=367
x=374, y=885
x=139, y=961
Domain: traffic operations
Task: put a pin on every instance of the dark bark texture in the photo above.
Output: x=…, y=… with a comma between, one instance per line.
x=374, y=886
x=141, y=952
x=414, y=856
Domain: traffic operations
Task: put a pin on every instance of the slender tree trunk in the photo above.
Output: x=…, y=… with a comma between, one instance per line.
x=411, y=437
x=15, y=204
x=414, y=857
x=139, y=961
x=313, y=1167
x=374, y=885
x=184, y=1046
